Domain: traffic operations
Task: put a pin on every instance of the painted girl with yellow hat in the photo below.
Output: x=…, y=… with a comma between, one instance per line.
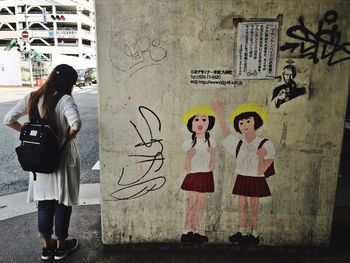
x=254, y=161
x=199, y=166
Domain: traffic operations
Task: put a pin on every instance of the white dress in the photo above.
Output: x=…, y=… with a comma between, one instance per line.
x=62, y=185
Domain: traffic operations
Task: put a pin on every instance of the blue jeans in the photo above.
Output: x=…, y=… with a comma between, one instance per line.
x=47, y=211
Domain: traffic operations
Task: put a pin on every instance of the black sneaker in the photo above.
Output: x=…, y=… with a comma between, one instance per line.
x=69, y=246
x=254, y=240
x=235, y=238
x=47, y=253
x=189, y=237
x=199, y=238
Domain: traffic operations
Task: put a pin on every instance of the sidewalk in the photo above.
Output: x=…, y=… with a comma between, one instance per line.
x=19, y=242
x=16, y=204
x=13, y=93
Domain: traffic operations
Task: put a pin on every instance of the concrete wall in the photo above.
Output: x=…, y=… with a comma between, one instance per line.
x=147, y=51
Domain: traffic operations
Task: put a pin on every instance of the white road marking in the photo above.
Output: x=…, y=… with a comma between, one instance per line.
x=96, y=166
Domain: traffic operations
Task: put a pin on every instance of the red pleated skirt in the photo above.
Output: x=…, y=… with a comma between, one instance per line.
x=199, y=182
x=251, y=186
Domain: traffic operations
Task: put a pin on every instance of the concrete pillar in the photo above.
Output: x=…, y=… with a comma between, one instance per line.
x=159, y=59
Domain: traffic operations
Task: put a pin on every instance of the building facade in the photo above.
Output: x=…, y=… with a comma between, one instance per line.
x=64, y=27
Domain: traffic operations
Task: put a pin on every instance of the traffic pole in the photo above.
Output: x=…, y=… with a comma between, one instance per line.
x=31, y=71
x=28, y=47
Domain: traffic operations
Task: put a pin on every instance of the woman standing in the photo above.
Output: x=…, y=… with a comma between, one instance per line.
x=254, y=156
x=56, y=192
x=199, y=166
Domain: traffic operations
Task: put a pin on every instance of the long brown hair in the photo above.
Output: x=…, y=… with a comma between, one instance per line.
x=59, y=82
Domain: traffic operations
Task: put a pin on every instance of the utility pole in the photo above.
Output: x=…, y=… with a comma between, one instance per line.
x=28, y=46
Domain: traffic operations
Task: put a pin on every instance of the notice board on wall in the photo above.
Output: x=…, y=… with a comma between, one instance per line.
x=256, y=50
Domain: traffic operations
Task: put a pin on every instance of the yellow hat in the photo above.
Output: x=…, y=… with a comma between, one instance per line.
x=249, y=107
x=197, y=110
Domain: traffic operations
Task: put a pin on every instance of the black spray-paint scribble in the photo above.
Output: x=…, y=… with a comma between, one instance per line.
x=134, y=188
x=129, y=52
x=325, y=43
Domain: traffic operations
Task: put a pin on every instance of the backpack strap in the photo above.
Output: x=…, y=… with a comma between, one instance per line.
x=271, y=169
x=262, y=143
x=35, y=112
x=239, y=144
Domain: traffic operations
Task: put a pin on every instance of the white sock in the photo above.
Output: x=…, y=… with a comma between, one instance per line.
x=187, y=231
x=243, y=231
x=255, y=233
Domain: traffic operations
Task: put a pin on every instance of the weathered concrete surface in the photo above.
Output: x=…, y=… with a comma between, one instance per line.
x=146, y=52
x=85, y=226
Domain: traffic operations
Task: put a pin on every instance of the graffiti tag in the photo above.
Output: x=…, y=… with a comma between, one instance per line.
x=143, y=184
x=130, y=52
x=325, y=43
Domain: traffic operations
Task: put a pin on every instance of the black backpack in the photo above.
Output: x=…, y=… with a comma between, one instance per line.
x=271, y=169
x=39, y=150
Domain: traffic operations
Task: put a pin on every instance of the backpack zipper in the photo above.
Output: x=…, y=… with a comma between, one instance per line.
x=31, y=142
x=39, y=125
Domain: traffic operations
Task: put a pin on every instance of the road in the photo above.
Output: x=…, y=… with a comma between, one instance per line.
x=12, y=178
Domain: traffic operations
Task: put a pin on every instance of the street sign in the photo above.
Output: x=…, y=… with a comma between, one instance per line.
x=25, y=34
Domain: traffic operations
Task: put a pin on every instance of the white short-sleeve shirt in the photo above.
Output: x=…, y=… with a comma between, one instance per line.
x=200, y=161
x=247, y=159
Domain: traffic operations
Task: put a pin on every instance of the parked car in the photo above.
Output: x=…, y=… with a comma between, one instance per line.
x=91, y=76
x=86, y=77
x=81, y=77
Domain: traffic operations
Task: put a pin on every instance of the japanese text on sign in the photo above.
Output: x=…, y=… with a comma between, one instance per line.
x=257, y=50
x=210, y=77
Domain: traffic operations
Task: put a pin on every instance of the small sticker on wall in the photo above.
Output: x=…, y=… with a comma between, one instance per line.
x=294, y=82
x=256, y=50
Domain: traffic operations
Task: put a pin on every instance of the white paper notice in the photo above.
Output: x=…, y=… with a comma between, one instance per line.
x=257, y=50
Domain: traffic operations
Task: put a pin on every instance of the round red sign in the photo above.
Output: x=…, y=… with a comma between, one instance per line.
x=25, y=34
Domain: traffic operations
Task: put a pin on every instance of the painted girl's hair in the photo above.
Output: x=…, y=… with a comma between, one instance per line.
x=258, y=122
x=207, y=135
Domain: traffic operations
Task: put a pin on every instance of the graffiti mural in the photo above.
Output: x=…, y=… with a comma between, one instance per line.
x=129, y=52
x=254, y=163
x=289, y=89
x=325, y=43
x=133, y=185
x=199, y=165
